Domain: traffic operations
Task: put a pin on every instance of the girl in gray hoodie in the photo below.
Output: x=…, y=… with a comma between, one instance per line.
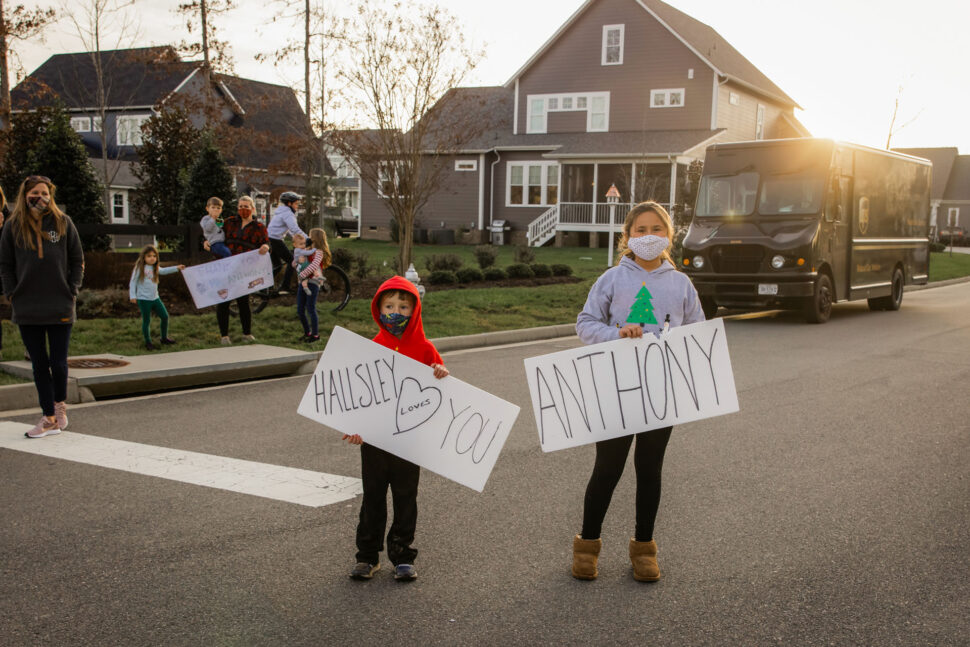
x=644, y=292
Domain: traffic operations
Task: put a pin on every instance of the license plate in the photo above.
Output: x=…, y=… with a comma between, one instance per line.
x=767, y=288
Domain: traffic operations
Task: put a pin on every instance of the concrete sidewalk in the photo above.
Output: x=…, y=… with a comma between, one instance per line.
x=206, y=367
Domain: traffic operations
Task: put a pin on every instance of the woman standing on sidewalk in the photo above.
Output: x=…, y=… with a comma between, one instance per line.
x=4, y=214
x=243, y=234
x=41, y=267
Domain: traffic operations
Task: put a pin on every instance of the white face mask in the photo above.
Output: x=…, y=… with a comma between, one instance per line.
x=648, y=247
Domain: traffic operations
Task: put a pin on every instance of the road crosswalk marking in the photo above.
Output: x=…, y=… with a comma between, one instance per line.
x=293, y=485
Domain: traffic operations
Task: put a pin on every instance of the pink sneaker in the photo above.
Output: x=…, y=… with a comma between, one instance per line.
x=43, y=428
x=60, y=415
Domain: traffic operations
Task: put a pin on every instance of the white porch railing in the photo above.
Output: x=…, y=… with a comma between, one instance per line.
x=577, y=216
x=543, y=228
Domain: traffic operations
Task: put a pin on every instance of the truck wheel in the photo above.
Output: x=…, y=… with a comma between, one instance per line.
x=894, y=300
x=818, y=307
x=709, y=306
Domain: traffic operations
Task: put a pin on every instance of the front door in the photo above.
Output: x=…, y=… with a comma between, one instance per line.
x=839, y=242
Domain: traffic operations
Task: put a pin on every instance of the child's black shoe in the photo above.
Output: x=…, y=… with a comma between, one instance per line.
x=364, y=571
x=168, y=340
x=311, y=338
x=405, y=573
x=150, y=346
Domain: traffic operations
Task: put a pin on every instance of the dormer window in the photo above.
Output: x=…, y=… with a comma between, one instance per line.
x=612, y=45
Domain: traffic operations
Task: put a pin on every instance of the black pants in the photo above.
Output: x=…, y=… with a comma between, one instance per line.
x=379, y=469
x=280, y=253
x=245, y=316
x=50, y=370
x=648, y=459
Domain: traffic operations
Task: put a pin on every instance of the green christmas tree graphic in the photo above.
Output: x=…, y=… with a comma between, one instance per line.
x=641, y=311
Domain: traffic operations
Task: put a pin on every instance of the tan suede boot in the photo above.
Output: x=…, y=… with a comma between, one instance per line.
x=585, y=554
x=643, y=554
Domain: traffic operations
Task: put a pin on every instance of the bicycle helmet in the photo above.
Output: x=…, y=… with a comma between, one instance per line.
x=288, y=196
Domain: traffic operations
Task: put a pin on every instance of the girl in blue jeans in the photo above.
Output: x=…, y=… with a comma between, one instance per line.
x=310, y=270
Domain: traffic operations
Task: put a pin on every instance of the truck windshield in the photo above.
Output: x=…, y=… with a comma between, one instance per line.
x=790, y=194
x=727, y=195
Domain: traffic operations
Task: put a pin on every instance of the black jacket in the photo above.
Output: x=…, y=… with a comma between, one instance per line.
x=42, y=290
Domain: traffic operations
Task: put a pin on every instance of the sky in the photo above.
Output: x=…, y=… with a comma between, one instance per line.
x=846, y=62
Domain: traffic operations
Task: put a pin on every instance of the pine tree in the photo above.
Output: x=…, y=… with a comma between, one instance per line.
x=43, y=143
x=170, y=147
x=641, y=311
x=209, y=177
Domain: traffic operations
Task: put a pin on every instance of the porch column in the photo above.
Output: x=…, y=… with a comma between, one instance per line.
x=633, y=182
x=673, y=186
x=596, y=188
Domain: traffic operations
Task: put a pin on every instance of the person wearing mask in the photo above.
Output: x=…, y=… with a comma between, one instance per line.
x=41, y=268
x=282, y=224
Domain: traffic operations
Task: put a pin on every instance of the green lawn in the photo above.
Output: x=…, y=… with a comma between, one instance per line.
x=446, y=312
x=943, y=266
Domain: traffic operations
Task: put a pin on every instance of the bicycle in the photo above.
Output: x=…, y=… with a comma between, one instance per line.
x=334, y=291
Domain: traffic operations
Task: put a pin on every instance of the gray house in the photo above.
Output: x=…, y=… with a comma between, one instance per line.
x=142, y=82
x=950, y=193
x=626, y=92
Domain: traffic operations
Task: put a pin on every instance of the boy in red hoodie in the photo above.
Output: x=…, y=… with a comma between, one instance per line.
x=396, y=309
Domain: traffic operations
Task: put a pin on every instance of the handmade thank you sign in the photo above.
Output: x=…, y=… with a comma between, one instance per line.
x=626, y=386
x=228, y=278
x=395, y=403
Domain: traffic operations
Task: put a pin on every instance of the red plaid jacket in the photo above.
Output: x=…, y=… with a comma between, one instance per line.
x=241, y=239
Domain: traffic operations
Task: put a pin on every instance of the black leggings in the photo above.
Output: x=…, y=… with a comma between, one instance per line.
x=281, y=254
x=50, y=369
x=648, y=459
x=245, y=316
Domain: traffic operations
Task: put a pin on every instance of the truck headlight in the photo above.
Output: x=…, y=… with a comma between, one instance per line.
x=698, y=262
x=778, y=262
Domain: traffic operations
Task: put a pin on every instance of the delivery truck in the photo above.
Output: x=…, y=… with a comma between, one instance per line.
x=805, y=223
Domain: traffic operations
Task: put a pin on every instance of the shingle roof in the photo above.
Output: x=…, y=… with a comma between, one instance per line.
x=706, y=43
x=135, y=77
x=943, y=159
x=958, y=188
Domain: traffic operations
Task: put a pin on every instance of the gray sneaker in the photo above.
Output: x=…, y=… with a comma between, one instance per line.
x=405, y=573
x=364, y=571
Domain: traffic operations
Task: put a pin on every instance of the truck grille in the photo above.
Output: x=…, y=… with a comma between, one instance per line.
x=737, y=259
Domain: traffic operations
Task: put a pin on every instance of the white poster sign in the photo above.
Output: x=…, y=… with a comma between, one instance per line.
x=395, y=403
x=228, y=278
x=623, y=387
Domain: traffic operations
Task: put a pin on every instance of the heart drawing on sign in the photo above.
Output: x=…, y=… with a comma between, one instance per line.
x=415, y=405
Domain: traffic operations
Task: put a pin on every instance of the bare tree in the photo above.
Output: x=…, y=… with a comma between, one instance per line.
x=400, y=67
x=216, y=55
x=893, y=129
x=93, y=20
x=21, y=24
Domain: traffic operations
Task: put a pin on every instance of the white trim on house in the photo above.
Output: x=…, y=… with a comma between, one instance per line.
x=759, y=122
x=124, y=218
x=567, y=102
x=605, y=47
x=543, y=184
x=81, y=124
x=515, y=113
x=466, y=165
x=668, y=95
x=481, y=191
x=179, y=86
x=133, y=134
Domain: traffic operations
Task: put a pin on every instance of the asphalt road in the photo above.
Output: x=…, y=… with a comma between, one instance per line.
x=834, y=509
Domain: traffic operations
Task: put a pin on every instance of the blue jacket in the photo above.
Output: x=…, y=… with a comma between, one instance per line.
x=282, y=223
x=147, y=289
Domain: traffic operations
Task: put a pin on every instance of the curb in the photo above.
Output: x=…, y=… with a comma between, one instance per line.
x=23, y=396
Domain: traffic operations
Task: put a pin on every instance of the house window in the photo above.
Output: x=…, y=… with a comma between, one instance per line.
x=466, y=165
x=596, y=105
x=129, y=129
x=597, y=117
x=119, y=207
x=953, y=217
x=390, y=179
x=532, y=184
x=95, y=124
x=734, y=99
x=81, y=124
x=667, y=98
x=759, y=123
x=612, y=45
x=537, y=115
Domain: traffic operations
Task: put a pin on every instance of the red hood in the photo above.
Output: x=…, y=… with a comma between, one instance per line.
x=412, y=343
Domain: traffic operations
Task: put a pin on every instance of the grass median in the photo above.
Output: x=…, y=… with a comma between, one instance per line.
x=446, y=312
